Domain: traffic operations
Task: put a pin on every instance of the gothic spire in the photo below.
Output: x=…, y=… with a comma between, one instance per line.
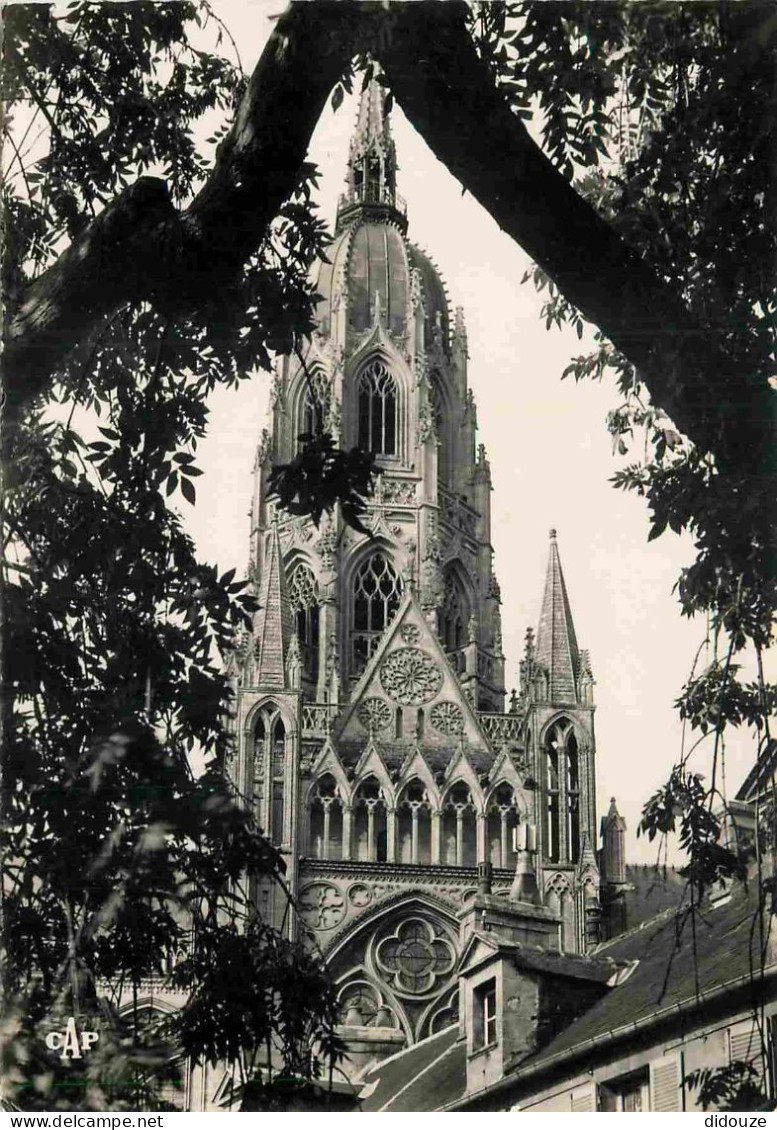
x=272, y=633
x=556, y=648
x=372, y=163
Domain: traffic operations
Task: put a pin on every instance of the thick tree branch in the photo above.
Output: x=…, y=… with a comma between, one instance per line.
x=141, y=248
x=449, y=96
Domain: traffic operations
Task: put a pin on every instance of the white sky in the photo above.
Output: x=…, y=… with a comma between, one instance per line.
x=551, y=458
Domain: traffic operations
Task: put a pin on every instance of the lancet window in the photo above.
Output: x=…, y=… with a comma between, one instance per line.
x=414, y=825
x=453, y=618
x=501, y=822
x=315, y=404
x=369, y=822
x=562, y=794
x=326, y=820
x=378, y=402
x=303, y=600
x=459, y=828
x=440, y=417
x=376, y=594
x=269, y=771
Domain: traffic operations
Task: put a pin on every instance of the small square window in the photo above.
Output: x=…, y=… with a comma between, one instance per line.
x=627, y=1094
x=484, y=1001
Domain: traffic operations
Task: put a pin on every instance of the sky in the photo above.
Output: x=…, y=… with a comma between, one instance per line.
x=551, y=458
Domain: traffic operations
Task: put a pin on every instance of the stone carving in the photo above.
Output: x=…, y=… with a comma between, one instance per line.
x=263, y=450
x=359, y=895
x=415, y=957
x=375, y=714
x=397, y=492
x=447, y=718
x=410, y=676
x=410, y=633
x=321, y=906
x=426, y=425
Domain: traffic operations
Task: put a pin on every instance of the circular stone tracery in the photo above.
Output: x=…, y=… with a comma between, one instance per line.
x=447, y=718
x=415, y=957
x=410, y=677
x=375, y=714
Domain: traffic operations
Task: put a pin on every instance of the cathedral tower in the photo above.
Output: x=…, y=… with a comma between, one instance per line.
x=373, y=739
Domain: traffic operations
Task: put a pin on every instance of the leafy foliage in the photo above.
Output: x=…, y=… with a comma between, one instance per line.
x=734, y=1087
x=122, y=865
x=322, y=476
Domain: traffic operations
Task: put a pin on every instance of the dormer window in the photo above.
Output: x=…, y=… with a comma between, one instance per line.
x=484, y=1001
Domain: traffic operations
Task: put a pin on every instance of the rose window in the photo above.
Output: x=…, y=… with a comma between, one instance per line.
x=415, y=957
x=375, y=714
x=410, y=676
x=447, y=718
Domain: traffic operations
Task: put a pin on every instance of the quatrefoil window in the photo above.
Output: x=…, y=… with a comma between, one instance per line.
x=415, y=957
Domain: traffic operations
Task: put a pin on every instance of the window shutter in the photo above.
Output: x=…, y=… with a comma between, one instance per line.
x=583, y=1100
x=665, y=1084
x=744, y=1045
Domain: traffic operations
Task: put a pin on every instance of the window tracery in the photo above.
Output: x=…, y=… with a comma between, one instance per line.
x=269, y=748
x=459, y=828
x=370, y=822
x=315, y=404
x=303, y=601
x=501, y=822
x=562, y=793
x=414, y=824
x=377, y=590
x=326, y=819
x=453, y=619
x=416, y=957
x=377, y=406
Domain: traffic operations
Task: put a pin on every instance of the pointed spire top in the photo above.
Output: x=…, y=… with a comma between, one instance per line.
x=372, y=123
x=556, y=647
x=372, y=164
x=272, y=630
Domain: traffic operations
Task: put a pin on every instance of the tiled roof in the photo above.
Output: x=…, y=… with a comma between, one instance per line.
x=679, y=963
x=421, y=1078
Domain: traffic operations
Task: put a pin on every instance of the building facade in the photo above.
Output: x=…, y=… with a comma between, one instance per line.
x=374, y=737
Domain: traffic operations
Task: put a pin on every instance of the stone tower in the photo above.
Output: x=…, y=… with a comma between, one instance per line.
x=373, y=739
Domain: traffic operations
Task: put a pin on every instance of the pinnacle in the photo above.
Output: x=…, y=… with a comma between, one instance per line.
x=556, y=645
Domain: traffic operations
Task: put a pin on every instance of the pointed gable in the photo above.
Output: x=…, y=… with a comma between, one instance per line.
x=409, y=693
x=272, y=631
x=557, y=648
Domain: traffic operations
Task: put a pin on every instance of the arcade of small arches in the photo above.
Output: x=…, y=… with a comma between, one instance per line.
x=374, y=822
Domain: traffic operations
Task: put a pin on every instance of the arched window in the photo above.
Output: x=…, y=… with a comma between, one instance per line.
x=561, y=902
x=573, y=799
x=326, y=820
x=303, y=600
x=414, y=825
x=440, y=416
x=562, y=793
x=278, y=764
x=501, y=822
x=259, y=772
x=459, y=828
x=369, y=822
x=315, y=403
x=377, y=393
x=453, y=618
x=376, y=594
x=552, y=839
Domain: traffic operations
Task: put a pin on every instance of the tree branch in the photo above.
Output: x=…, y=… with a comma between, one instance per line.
x=448, y=94
x=141, y=248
